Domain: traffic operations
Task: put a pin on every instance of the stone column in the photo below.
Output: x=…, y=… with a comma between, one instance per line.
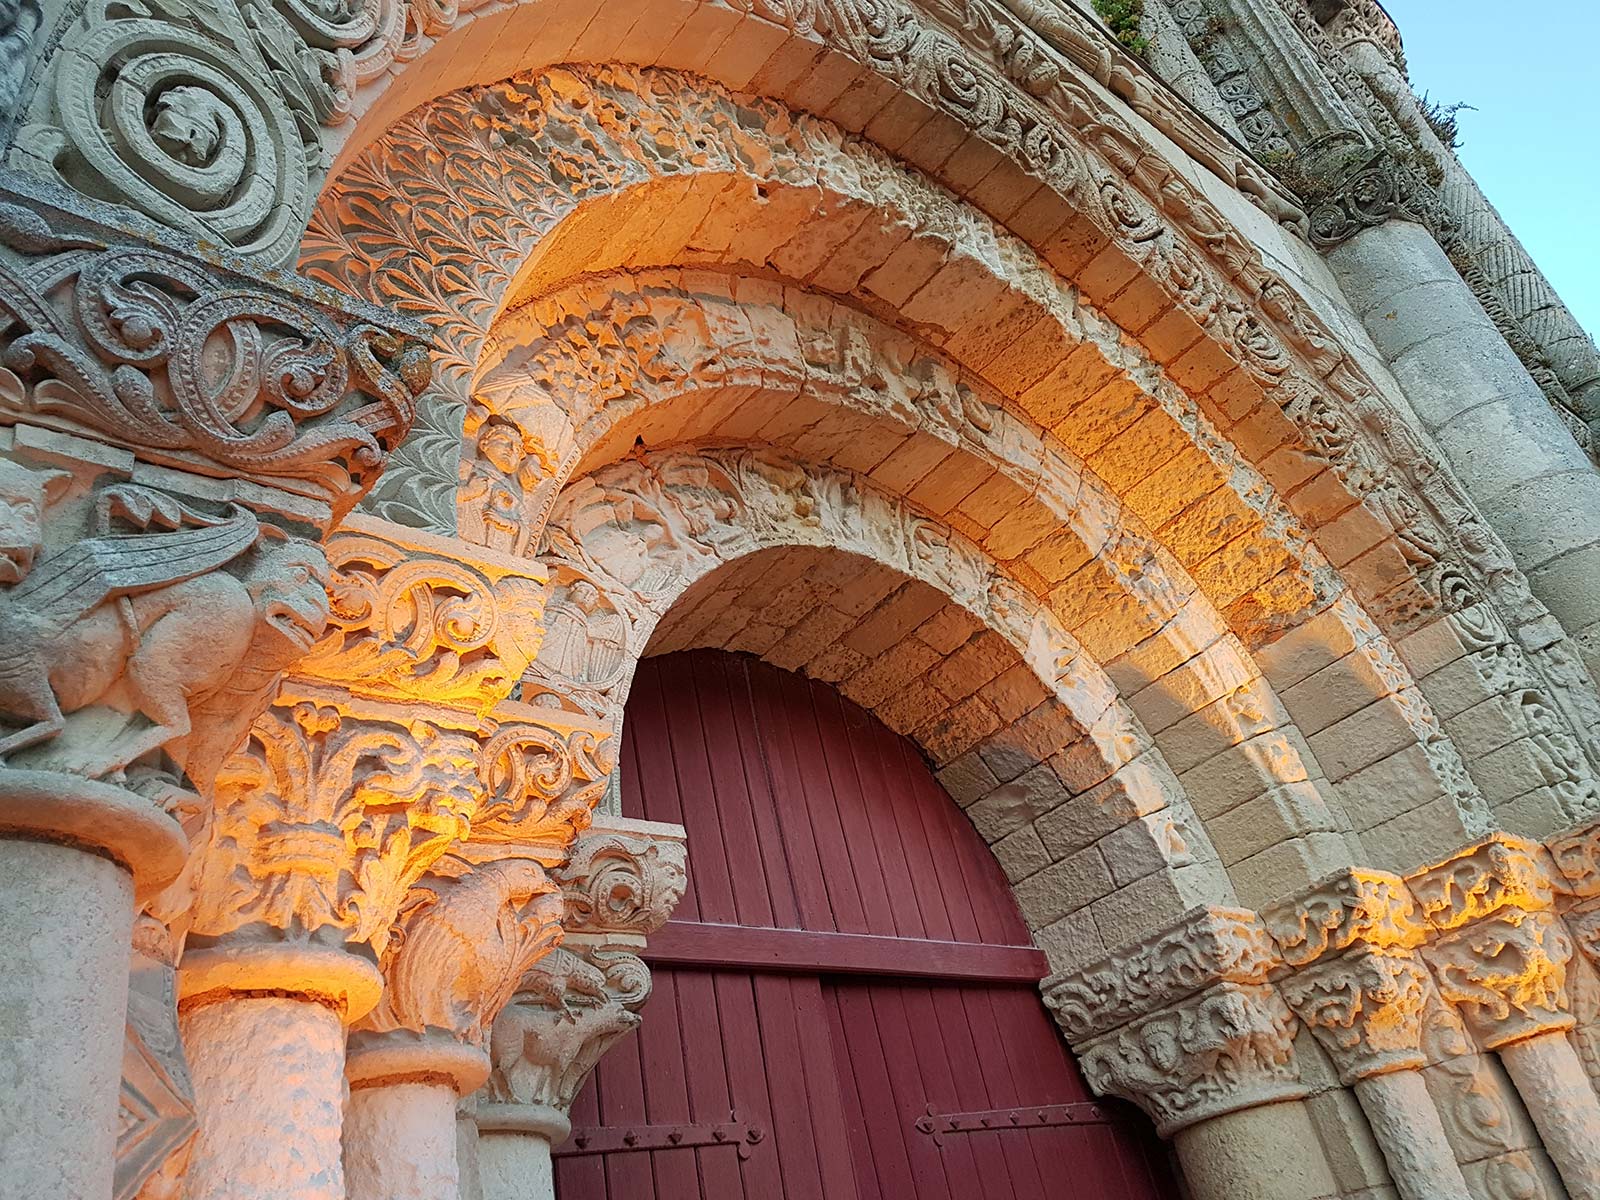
x=466, y=935
x=377, y=754
x=1500, y=957
x=1470, y=392
x=159, y=505
x=622, y=883
x=1186, y=1026
x=1361, y=992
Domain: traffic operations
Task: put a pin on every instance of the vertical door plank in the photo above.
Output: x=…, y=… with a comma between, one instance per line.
x=707, y=1076
x=792, y=809
x=861, y=837
x=666, y=1087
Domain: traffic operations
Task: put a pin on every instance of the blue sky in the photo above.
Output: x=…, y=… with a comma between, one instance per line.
x=1533, y=72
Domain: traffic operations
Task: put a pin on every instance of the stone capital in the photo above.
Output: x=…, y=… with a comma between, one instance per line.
x=1501, y=874
x=621, y=883
x=1228, y=1048
x=465, y=936
x=1364, y=1008
x=1507, y=975
x=1349, y=187
x=1205, y=946
x=1355, y=908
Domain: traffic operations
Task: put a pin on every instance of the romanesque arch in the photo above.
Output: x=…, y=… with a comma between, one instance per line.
x=1397, y=571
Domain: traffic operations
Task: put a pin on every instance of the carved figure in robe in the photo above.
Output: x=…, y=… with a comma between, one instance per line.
x=584, y=641
x=492, y=498
x=106, y=643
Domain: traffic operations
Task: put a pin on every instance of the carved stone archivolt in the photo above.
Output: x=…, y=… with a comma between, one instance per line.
x=621, y=884
x=1152, y=215
x=641, y=531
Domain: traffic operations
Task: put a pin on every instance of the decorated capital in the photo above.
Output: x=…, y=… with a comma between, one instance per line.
x=621, y=884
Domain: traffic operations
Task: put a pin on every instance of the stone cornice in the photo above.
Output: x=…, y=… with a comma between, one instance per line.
x=1205, y=947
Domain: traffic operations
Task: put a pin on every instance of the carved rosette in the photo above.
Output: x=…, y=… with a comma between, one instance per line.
x=1230, y=1047
x=622, y=883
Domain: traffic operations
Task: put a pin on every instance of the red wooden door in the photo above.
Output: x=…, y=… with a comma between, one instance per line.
x=846, y=976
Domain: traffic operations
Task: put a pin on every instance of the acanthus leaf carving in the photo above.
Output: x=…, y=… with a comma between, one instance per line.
x=326, y=820
x=414, y=623
x=619, y=883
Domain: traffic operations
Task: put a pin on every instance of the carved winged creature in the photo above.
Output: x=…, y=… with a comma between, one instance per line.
x=108, y=630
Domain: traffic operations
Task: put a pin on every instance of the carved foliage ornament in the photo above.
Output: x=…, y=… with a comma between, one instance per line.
x=1365, y=1009
x=618, y=883
x=415, y=626
x=559, y=136
x=326, y=820
x=1230, y=1047
x=1357, y=907
x=1502, y=874
x=190, y=367
x=1207, y=946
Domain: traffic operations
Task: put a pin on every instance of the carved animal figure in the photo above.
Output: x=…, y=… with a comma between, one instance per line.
x=113, y=629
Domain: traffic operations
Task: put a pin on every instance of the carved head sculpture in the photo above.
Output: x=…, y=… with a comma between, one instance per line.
x=288, y=582
x=190, y=124
x=24, y=495
x=501, y=445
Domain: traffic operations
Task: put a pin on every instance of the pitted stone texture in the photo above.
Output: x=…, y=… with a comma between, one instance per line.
x=269, y=1089
x=63, y=995
x=400, y=1142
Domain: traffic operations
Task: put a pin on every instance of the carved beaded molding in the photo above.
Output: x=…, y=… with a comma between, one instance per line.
x=355, y=242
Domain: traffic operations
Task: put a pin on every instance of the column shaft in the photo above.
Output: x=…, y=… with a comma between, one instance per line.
x=1527, y=474
x=1408, y=1129
x=63, y=999
x=1269, y=1152
x=1551, y=1081
x=400, y=1142
x=268, y=1077
x=515, y=1166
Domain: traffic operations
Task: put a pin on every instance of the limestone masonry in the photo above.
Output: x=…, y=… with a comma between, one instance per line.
x=1153, y=421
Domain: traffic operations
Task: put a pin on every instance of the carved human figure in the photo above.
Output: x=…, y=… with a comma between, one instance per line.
x=585, y=640
x=493, y=494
